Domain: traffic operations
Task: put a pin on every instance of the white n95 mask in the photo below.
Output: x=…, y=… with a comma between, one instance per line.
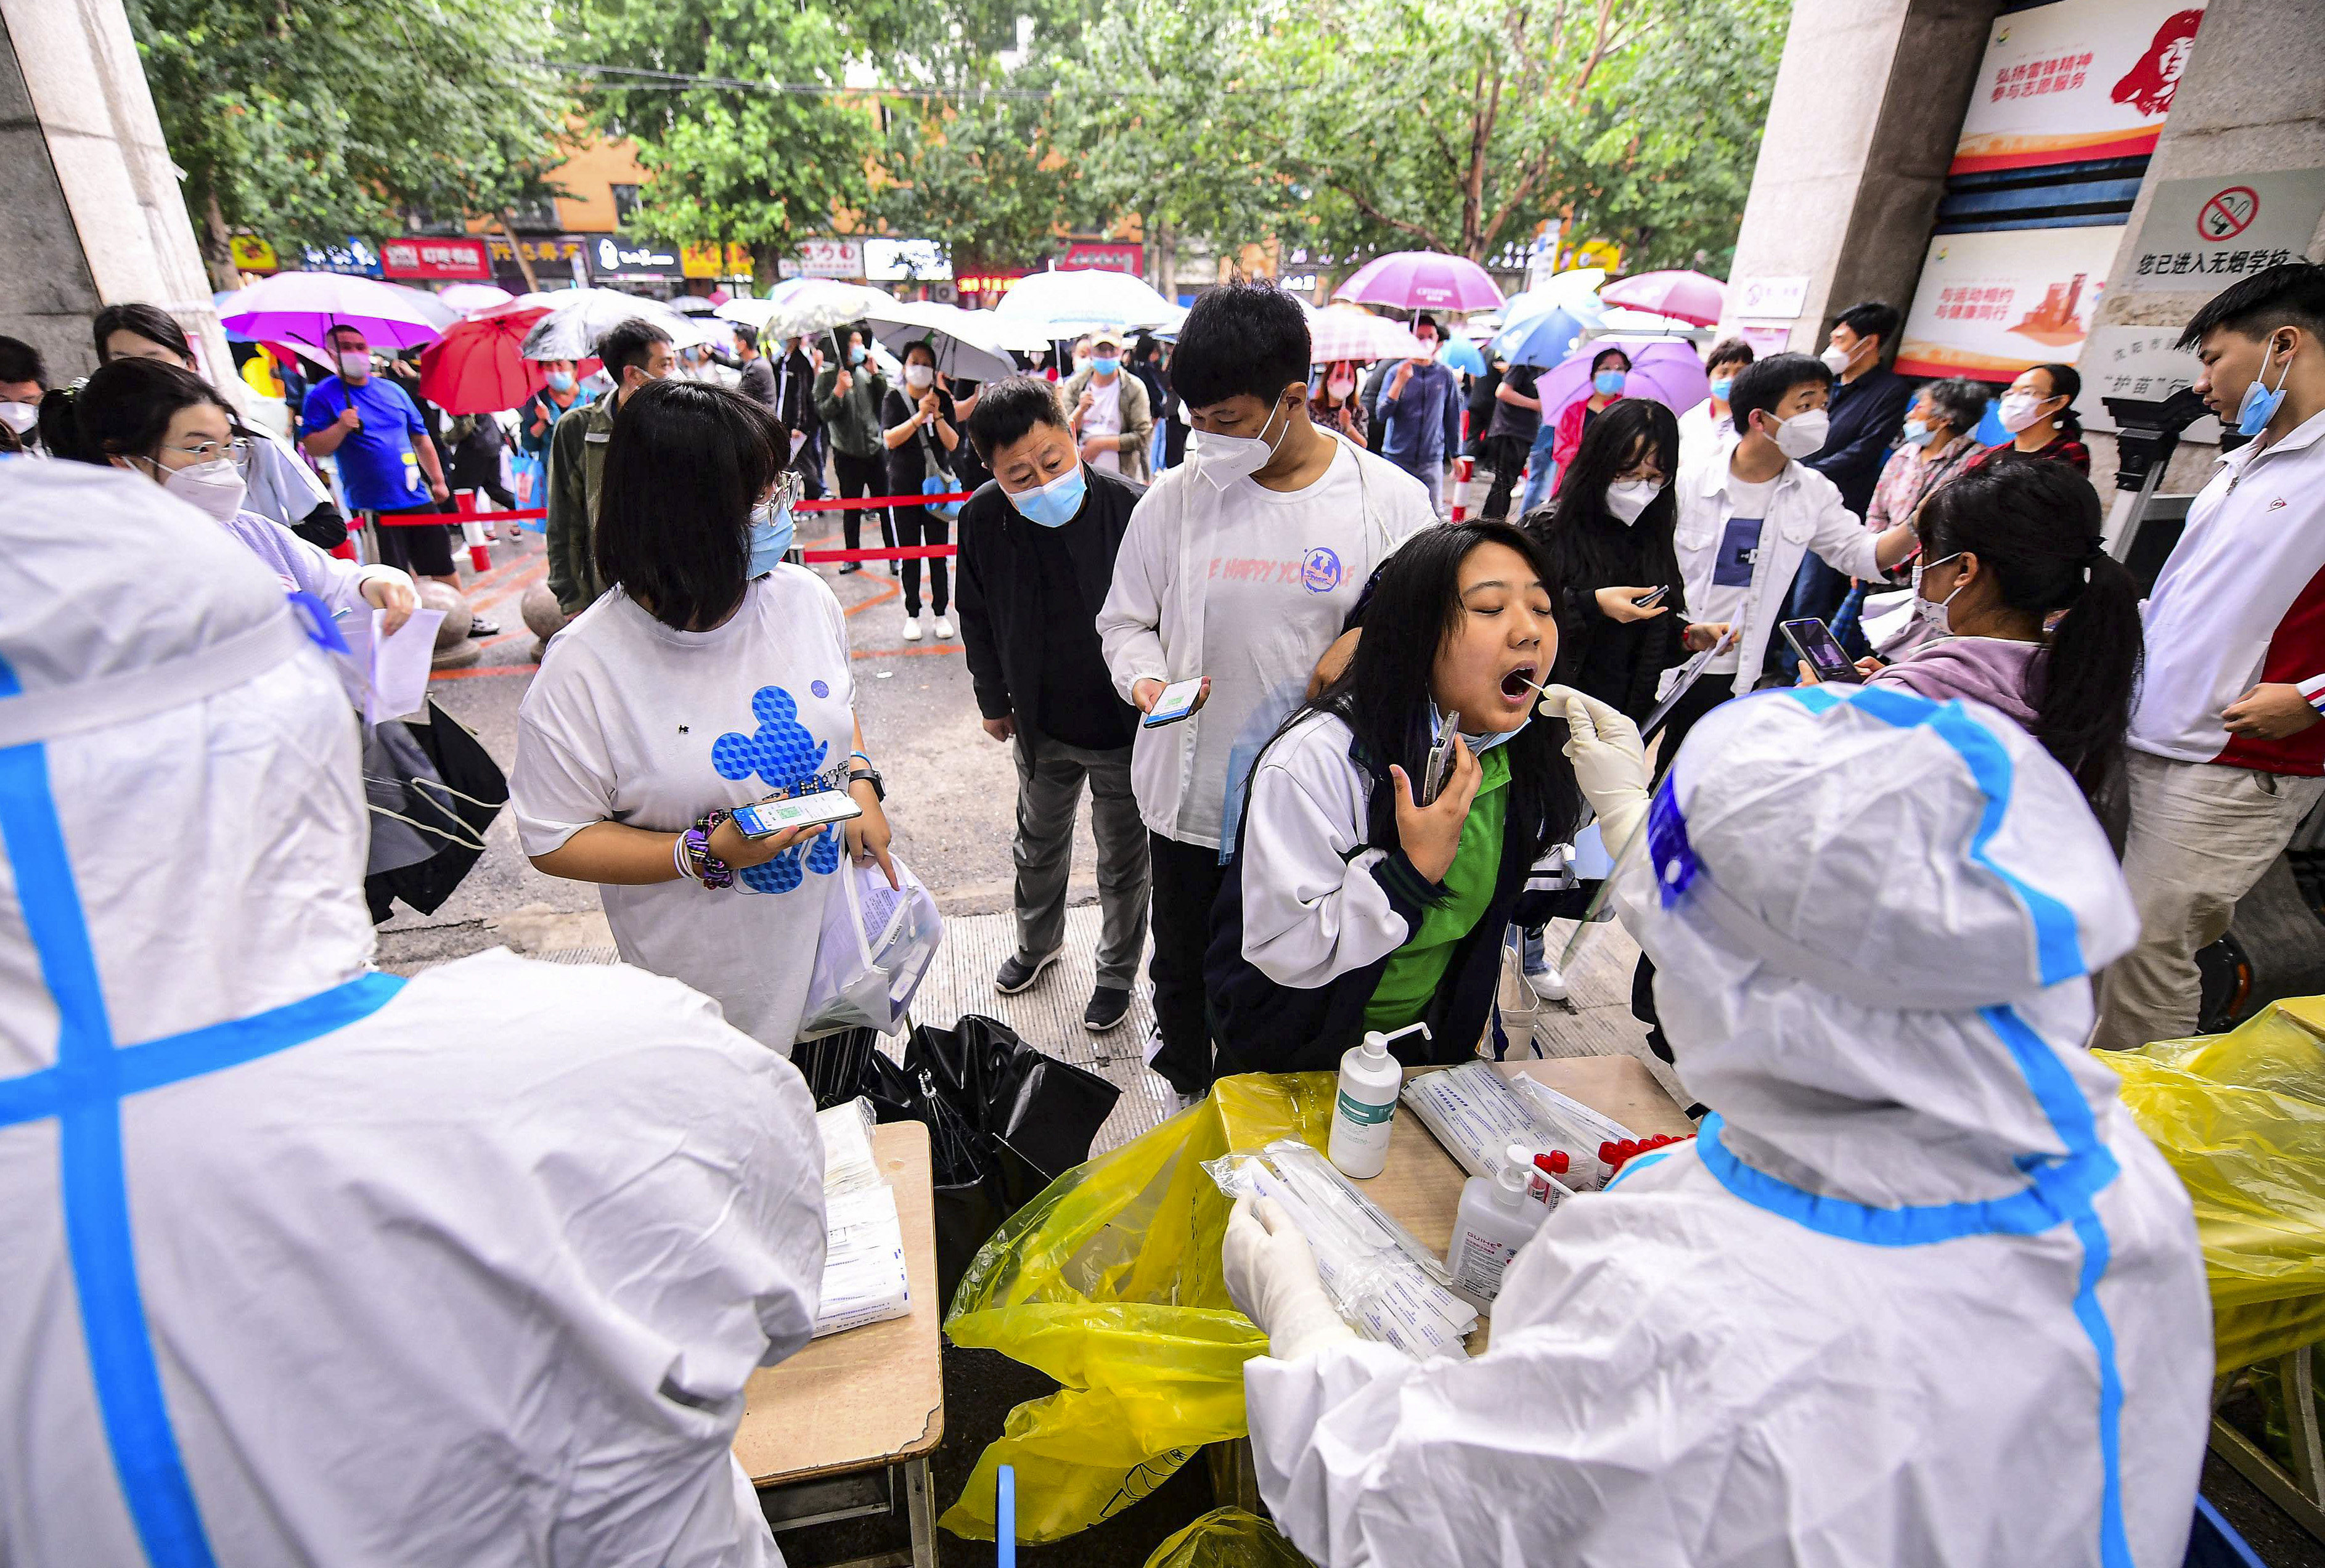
x=1222, y=459
x=1627, y=498
x=214, y=488
x=1803, y=435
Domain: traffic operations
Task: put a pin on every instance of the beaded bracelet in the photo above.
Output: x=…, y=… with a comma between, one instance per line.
x=702, y=865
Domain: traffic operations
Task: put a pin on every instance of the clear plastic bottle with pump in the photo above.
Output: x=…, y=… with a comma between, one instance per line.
x=1494, y=1220
x=1365, y=1110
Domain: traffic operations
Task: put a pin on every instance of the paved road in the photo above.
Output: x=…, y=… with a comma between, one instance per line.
x=952, y=789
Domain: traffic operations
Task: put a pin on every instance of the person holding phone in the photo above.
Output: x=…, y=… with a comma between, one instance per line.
x=1356, y=902
x=1239, y=567
x=710, y=674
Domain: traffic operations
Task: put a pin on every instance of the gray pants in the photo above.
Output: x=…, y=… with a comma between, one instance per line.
x=1050, y=775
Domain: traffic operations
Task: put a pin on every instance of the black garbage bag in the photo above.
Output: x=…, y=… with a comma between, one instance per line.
x=1003, y=1119
x=433, y=790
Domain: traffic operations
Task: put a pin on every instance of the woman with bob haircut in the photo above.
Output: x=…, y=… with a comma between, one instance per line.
x=713, y=673
x=1356, y=902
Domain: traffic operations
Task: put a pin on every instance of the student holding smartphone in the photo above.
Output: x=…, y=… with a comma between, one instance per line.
x=712, y=674
x=1356, y=902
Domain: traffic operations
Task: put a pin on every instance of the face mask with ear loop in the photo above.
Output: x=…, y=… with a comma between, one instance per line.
x=2259, y=405
x=1934, y=613
x=1222, y=459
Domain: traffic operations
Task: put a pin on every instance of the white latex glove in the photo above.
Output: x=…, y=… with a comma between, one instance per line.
x=1270, y=1276
x=1610, y=761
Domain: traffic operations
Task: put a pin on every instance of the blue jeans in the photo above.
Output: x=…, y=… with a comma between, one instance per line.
x=1540, y=472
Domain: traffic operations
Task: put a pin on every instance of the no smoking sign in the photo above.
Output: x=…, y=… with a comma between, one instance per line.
x=2228, y=214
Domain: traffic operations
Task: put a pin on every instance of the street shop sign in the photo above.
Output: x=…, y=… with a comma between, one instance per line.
x=436, y=259
x=2199, y=235
x=1103, y=257
x=621, y=255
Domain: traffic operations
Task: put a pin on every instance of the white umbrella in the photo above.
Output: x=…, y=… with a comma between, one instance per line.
x=578, y=318
x=1340, y=332
x=1066, y=304
x=820, y=305
x=965, y=342
x=468, y=298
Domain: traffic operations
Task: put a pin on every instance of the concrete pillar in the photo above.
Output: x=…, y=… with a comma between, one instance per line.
x=2251, y=100
x=1868, y=103
x=91, y=212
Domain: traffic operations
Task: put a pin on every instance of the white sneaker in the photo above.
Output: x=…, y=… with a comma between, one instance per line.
x=911, y=628
x=943, y=629
x=1547, y=983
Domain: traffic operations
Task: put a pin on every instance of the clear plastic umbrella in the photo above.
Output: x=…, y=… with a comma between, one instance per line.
x=1066, y=304
x=578, y=318
x=1340, y=332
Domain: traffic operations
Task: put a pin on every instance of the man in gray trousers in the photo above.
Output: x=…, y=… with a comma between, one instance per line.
x=1037, y=549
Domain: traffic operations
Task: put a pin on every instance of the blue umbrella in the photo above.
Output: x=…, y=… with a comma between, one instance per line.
x=1460, y=354
x=1544, y=339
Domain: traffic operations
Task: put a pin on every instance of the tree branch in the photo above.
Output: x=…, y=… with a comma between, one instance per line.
x=1598, y=47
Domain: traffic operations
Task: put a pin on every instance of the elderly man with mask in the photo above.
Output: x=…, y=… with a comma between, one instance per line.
x=296, y=1273
x=1919, y=1292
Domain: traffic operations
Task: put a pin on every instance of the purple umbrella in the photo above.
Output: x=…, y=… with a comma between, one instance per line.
x=305, y=306
x=1660, y=368
x=1422, y=279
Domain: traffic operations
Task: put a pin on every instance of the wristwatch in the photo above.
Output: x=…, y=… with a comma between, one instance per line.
x=872, y=774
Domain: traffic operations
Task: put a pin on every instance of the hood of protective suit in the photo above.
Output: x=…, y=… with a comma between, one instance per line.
x=186, y=738
x=1874, y=919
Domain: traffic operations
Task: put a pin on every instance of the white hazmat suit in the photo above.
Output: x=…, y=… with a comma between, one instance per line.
x=305, y=1264
x=1919, y=1292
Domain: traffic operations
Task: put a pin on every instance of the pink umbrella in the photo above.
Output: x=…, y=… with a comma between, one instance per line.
x=1340, y=332
x=1690, y=296
x=306, y=306
x=1660, y=368
x=1422, y=279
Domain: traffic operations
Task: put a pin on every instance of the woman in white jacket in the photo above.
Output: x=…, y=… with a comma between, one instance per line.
x=1358, y=901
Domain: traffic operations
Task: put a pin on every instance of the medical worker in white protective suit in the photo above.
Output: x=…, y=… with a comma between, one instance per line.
x=300, y=1263
x=1919, y=1292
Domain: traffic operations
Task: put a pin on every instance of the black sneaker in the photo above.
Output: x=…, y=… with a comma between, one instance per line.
x=1015, y=975
x=1108, y=1006
x=847, y=566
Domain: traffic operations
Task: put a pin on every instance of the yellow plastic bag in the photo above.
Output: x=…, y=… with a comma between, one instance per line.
x=1109, y=1282
x=1227, y=1538
x=2241, y=1117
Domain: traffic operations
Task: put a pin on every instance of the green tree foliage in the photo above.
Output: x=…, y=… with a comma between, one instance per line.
x=734, y=157
x=309, y=120
x=1461, y=127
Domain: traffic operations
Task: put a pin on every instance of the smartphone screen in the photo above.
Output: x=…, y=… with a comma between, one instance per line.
x=1813, y=641
x=1177, y=701
x=761, y=818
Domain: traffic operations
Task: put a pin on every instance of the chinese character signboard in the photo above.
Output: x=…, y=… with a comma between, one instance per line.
x=2200, y=236
x=827, y=258
x=436, y=259
x=2074, y=81
x=1994, y=302
x=893, y=261
x=2138, y=362
x=557, y=257
x=711, y=261
x=1087, y=256
x=355, y=258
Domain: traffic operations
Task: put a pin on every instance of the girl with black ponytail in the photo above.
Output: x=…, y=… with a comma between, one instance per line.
x=2031, y=614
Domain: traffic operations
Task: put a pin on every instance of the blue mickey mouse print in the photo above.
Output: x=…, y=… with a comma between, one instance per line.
x=786, y=757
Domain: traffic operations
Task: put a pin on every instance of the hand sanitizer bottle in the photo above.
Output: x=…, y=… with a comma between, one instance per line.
x=1362, y=1114
x=1494, y=1220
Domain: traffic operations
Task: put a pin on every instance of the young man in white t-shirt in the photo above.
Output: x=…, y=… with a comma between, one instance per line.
x=2225, y=755
x=1240, y=567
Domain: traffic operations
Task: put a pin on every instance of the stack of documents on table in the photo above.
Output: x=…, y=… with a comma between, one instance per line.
x=864, y=1279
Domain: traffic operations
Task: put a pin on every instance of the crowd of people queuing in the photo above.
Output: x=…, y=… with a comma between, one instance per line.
x=1214, y=583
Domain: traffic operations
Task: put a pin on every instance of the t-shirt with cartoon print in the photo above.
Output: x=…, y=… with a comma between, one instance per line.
x=631, y=721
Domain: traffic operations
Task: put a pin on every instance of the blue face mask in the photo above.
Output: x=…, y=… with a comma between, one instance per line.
x=560, y=380
x=856, y=354
x=1722, y=387
x=1918, y=432
x=1055, y=504
x=2260, y=405
x=770, y=536
x=1609, y=383
x=1105, y=363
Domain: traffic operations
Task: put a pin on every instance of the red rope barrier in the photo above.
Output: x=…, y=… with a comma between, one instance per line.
x=834, y=503
x=907, y=552
x=443, y=519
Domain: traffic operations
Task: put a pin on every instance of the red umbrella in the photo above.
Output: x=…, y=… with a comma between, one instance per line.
x=477, y=368
x=1691, y=297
